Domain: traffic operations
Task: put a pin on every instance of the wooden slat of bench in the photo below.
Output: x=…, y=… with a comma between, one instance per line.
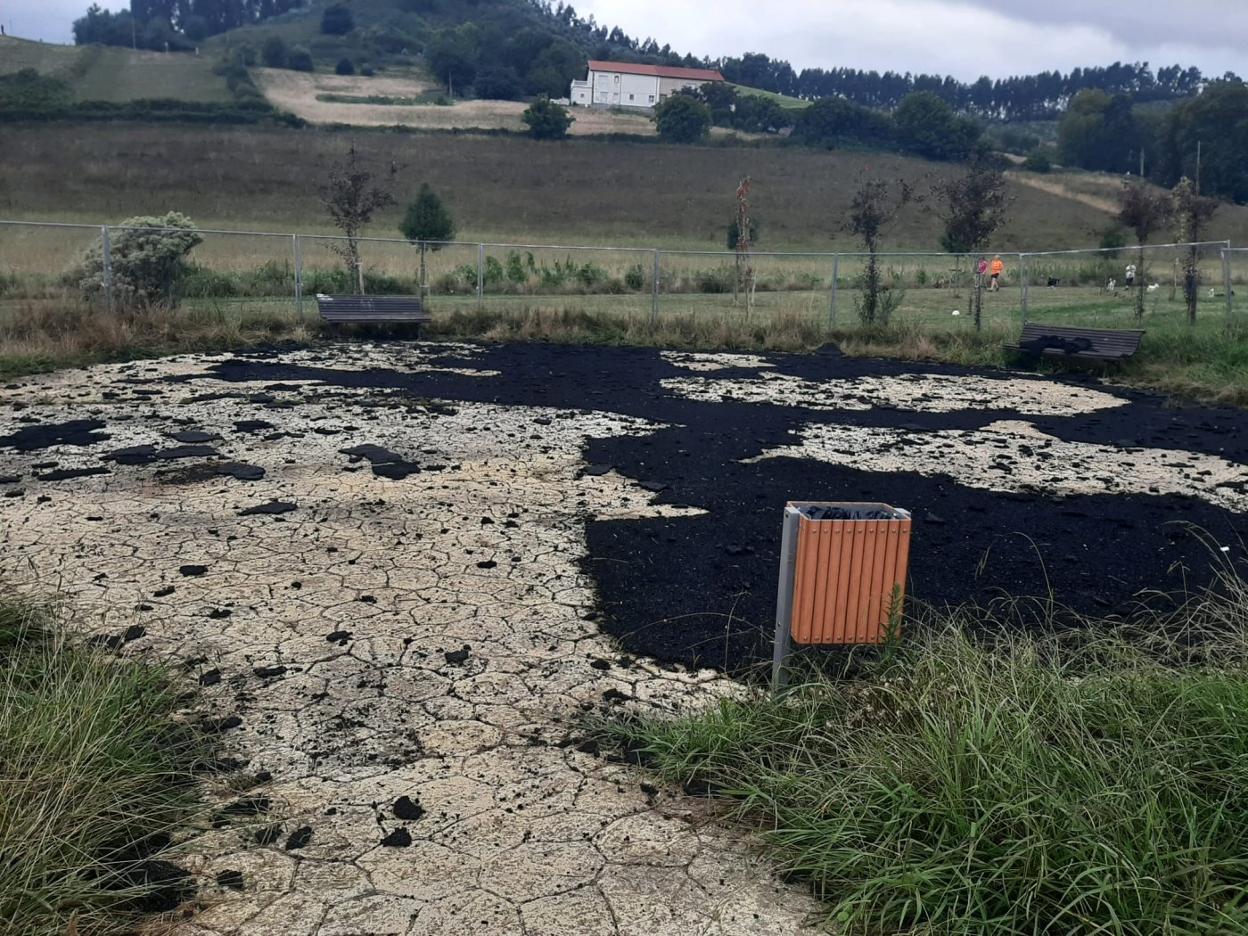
x=347, y=309
x=1106, y=344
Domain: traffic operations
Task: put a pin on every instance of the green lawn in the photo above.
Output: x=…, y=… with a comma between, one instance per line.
x=101, y=73
x=783, y=100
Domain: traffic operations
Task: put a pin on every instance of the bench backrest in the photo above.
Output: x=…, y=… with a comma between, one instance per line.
x=372, y=308
x=1115, y=341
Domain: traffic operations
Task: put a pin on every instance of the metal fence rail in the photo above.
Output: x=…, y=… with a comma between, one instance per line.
x=928, y=288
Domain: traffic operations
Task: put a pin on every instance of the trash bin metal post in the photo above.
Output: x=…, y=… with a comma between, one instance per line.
x=784, y=599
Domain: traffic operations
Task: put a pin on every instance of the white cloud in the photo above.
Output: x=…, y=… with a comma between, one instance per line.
x=965, y=39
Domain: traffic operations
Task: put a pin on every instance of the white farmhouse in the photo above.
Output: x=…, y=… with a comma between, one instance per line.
x=622, y=84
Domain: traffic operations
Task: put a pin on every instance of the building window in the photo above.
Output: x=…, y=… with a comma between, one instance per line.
x=630, y=97
x=652, y=99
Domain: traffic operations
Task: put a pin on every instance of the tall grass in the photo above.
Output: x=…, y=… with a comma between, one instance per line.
x=1086, y=782
x=94, y=776
x=1209, y=363
x=38, y=336
x=683, y=330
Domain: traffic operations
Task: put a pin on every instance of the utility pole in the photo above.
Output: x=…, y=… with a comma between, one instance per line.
x=1141, y=162
x=1198, y=147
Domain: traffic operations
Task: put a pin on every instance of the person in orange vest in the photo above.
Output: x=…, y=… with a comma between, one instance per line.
x=997, y=268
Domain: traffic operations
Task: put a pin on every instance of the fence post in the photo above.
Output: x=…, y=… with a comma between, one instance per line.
x=298, y=249
x=654, y=297
x=106, y=256
x=480, y=277
x=836, y=275
x=1226, y=282
x=1023, y=277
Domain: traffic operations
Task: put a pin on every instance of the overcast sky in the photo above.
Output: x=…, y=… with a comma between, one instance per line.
x=964, y=38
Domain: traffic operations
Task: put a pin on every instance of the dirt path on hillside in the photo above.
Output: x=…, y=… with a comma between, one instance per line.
x=1109, y=206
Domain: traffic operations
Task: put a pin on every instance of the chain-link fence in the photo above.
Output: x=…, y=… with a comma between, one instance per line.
x=1235, y=282
x=1143, y=286
x=43, y=263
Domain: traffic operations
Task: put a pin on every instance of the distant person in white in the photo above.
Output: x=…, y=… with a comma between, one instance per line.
x=1130, y=275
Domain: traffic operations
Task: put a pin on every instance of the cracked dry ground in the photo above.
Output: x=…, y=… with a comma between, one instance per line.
x=404, y=652
x=403, y=573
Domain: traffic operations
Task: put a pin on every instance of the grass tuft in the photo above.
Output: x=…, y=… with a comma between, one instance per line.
x=95, y=777
x=1082, y=782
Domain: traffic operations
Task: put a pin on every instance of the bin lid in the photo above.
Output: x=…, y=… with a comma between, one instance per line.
x=847, y=510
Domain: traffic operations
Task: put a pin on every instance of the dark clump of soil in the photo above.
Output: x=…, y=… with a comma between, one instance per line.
x=230, y=879
x=399, y=838
x=67, y=474
x=210, y=678
x=407, y=809
x=221, y=725
x=299, y=838
x=162, y=885
x=386, y=464
x=245, y=807
x=458, y=657
x=79, y=432
x=269, y=672
x=272, y=508
x=268, y=835
x=193, y=571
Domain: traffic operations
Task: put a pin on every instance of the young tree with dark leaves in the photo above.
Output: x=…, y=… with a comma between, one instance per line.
x=973, y=206
x=1191, y=212
x=1143, y=210
x=874, y=207
x=351, y=198
x=428, y=224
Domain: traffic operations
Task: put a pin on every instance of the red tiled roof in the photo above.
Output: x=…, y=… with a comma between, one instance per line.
x=657, y=71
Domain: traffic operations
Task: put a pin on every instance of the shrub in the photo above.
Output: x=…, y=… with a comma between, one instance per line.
x=147, y=256
x=274, y=53
x=498, y=83
x=300, y=60
x=337, y=20
x=516, y=271
x=344, y=67
x=835, y=122
x=367, y=71
x=1113, y=239
x=927, y=125
x=635, y=277
x=28, y=90
x=547, y=120
x=682, y=119
x=1038, y=160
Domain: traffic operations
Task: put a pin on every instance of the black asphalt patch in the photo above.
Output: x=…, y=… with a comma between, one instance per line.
x=701, y=589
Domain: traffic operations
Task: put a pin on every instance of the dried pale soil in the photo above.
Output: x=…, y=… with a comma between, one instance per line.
x=404, y=573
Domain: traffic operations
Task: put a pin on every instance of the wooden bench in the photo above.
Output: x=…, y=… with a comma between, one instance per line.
x=368, y=310
x=1087, y=344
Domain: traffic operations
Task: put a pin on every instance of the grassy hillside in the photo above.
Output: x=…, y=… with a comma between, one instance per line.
x=790, y=103
x=498, y=187
x=101, y=73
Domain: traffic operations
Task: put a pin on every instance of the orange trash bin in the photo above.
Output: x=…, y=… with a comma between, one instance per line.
x=840, y=566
